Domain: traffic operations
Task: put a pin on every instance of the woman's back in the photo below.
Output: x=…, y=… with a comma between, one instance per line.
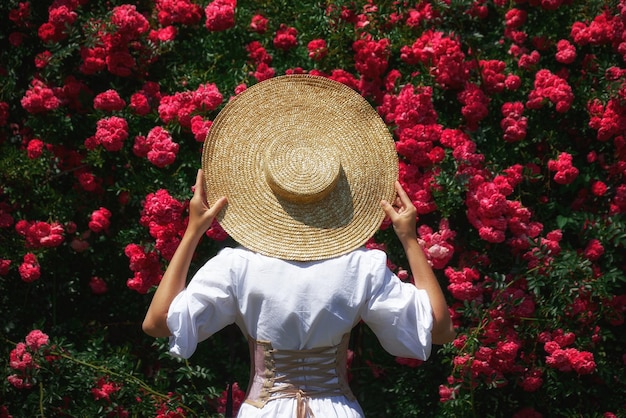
x=301, y=305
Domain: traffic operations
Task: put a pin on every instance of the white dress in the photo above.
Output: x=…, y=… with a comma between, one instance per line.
x=301, y=305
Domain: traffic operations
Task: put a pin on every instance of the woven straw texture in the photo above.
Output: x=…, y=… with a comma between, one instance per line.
x=304, y=162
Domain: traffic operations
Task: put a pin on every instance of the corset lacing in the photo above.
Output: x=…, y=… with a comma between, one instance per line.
x=298, y=374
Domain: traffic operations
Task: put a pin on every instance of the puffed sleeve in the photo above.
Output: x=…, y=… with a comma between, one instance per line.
x=399, y=314
x=206, y=306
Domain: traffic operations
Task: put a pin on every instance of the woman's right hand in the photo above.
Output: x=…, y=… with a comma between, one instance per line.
x=201, y=215
x=402, y=214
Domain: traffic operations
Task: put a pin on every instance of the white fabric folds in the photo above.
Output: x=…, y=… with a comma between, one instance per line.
x=301, y=305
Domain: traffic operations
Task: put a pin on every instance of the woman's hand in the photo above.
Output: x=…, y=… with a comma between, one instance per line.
x=200, y=214
x=402, y=214
x=200, y=218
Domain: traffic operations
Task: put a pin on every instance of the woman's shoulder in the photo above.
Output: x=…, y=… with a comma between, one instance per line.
x=361, y=255
x=374, y=255
x=235, y=252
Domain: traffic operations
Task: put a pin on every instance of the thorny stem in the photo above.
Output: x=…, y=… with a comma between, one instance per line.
x=124, y=376
x=41, y=413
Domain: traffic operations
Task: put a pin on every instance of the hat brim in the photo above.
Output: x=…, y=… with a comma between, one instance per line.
x=316, y=110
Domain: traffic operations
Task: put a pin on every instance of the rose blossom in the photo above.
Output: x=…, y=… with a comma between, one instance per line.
x=87, y=180
x=146, y=268
x=141, y=147
x=104, y=389
x=371, y=57
x=20, y=358
x=515, y=18
x=5, y=265
x=42, y=59
x=108, y=101
x=285, y=37
x=98, y=286
x=21, y=14
x=257, y=53
x=19, y=382
x=532, y=380
x=207, y=97
x=566, y=173
x=120, y=63
x=162, y=150
x=512, y=82
x=417, y=144
x=110, y=133
x=161, y=209
x=263, y=72
x=216, y=232
x=181, y=106
x=258, y=24
x=39, y=98
x=598, y=188
x=29, y=270
x=238, y=397
x=464, y=283
x=437, y=245
x=566, y=52
x=93, y=60
x=34, y=148
x=447, y=393
x=40, y=234
x=528, y=61
x=513, y=123
x=100, y=220
x=178, y=11
x=139, y=104
x=421, y=12
x=61, y=15
x=130, y=23
x=552, y=87
x=79, y=245
x=200, y=127
x=220, y=15
x=475, y=105
x=493, y=77
x=36, y=339
x=443, y=54
x=166, y=34
x=594, y=250
x=317, y=49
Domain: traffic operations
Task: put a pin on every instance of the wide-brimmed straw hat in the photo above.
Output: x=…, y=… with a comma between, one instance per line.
x=304, y=162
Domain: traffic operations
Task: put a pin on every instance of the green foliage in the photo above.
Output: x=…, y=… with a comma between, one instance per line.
x=531, y=287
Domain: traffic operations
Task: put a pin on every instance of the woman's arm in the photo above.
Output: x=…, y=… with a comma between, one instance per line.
x=403, y=216
x=175, y=277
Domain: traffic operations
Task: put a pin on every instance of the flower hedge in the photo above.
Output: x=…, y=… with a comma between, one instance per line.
x=510, y=123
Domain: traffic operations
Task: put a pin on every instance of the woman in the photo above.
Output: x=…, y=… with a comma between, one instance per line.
x=301, y=172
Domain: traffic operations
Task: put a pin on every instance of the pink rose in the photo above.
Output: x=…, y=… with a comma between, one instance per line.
x=220, y=15
x=100, y=220
x=29, y=270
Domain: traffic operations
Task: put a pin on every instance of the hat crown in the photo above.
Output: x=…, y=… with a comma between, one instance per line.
x=301, y=171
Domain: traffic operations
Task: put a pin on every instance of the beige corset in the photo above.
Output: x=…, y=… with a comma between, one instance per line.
x=298, y=374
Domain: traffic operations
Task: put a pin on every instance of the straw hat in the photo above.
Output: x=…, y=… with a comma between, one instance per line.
x=304, y=162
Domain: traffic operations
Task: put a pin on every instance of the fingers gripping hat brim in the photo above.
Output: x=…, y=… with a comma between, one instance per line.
x=294, y=133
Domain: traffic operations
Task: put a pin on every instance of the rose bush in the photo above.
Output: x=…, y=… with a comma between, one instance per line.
x=510, y=123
